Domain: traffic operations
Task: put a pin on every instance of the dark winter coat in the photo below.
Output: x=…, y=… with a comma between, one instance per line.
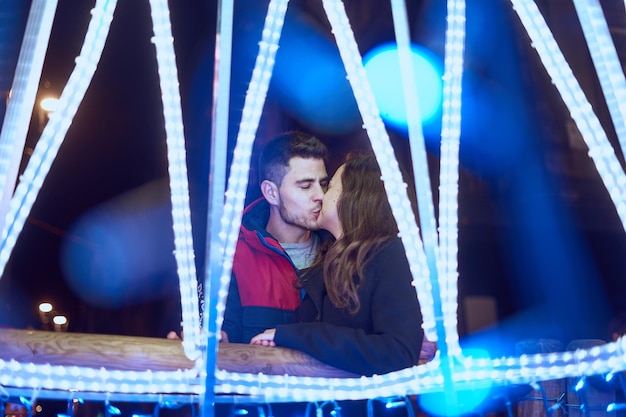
x=384, y=335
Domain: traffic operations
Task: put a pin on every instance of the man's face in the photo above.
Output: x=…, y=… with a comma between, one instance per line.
x=301, y=192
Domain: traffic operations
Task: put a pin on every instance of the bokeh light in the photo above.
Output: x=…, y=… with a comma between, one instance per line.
x=383, y=71
x=121, y=252
x=461, y=401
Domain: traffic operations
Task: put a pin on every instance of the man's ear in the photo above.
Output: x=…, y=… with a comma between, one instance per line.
x=270, y=192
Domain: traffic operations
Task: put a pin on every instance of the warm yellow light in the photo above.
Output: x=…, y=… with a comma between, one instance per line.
x=49, y=104
x=45, y=307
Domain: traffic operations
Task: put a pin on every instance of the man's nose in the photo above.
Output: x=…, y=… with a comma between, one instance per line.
x=319, y=192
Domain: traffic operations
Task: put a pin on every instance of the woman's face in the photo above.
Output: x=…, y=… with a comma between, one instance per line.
x=329, y=218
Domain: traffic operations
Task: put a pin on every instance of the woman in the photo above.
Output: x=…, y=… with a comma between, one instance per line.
x=361, y=312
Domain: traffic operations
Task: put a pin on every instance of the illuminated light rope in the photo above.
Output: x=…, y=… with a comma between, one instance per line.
x=163, y=400
x=447, y=273
x=66, y=378
x=284, y=388
x=424, y=198
x=418, y=156
x=14, y=373
x=428, y=378
x=419, y=379
x=177, y=166
x=53, y=134
x=606, y=62
x=449, y=171
x=251, y=115
x=600, y=149
x=23, y=93
x=423, y=379
x=392, y=179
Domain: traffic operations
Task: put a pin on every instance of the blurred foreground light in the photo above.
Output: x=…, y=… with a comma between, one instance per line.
x=469, y=399
x=49, y=104
x=382, y=66
x=131, y=233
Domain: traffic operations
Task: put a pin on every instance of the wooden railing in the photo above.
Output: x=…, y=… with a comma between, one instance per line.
x=143, y=353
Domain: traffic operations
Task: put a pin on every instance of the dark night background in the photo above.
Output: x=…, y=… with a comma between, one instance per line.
x=538, y=233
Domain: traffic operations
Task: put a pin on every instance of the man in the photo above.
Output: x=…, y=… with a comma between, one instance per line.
x=277, y=237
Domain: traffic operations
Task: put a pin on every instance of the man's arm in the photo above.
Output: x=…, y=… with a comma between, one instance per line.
x=232, y=325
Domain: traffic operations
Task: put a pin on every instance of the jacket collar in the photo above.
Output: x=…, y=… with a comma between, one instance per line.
x=255, y=216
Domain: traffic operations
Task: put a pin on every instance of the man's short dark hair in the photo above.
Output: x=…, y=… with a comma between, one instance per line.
x=275, y=156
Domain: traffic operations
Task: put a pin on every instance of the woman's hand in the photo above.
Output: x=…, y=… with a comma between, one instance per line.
x=265, y=339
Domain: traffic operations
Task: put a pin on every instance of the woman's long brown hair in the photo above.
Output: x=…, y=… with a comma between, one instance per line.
x=367, y=223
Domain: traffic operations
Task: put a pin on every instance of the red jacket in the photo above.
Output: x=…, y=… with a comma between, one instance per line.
x=262, y=294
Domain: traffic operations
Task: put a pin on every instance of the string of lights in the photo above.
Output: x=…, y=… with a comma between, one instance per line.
x=606, y=62
x=471, y=373
x=418, y=157
x=177, y=166
x=394, y=184
x=449, y=171
x=579, y=107
x=23, y=93
x=251, y=115
x=54, y=133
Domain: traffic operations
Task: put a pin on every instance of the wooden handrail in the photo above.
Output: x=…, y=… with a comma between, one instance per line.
x=143, y=353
